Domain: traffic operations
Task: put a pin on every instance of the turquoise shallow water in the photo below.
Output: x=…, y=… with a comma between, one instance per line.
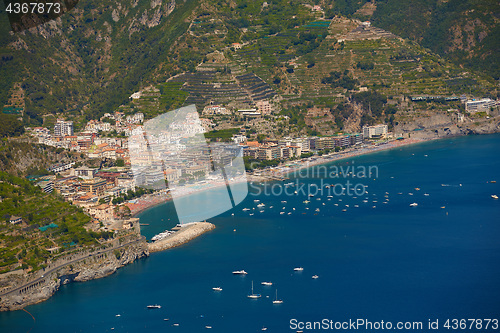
x=392, y=263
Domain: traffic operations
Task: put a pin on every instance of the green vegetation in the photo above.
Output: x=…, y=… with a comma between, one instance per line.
x=10, y=126
x=465, y=31
x=26, y=244
x=222, y=135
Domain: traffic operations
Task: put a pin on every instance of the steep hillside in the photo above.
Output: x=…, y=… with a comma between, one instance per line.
x=93, y=57
x=465, y=31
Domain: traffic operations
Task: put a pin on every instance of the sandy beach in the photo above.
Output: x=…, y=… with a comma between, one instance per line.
x=150, y=200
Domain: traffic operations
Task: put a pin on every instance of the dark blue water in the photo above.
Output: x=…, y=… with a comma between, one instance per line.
x=392, y=262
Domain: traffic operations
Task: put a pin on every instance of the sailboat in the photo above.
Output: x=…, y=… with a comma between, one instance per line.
x=276, y=300
x=252, y=295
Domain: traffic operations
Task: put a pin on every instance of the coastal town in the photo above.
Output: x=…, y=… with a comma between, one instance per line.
x=141, y=176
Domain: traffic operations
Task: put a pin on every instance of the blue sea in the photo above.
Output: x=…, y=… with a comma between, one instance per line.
x=379, y=260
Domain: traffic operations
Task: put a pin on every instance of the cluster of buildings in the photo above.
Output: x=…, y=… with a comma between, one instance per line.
x=294, y=147
x=480, y=105
x=90, y=141
x=85, y=187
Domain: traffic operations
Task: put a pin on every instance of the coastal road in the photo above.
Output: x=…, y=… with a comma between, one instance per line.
x=68, y=263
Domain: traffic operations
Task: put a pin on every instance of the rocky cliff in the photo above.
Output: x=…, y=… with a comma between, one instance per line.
x=94, y=267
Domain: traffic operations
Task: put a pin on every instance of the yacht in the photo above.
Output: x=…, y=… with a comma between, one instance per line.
x=245, y=209
x=242, y=272
x=217, y=289
x=276, y=300
x=252, y=295
x=414, y=204
x=156, y=306
x=261, y=205
x=494, y=196
x=298, y=269
x=315, y=276
x=266, y=283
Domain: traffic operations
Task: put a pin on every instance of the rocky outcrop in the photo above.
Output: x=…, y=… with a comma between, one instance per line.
x=93, y=267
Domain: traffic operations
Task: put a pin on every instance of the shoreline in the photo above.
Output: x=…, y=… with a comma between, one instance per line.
x=303, y=164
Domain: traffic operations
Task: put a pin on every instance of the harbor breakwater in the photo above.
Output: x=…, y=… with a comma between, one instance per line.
x=182, y=236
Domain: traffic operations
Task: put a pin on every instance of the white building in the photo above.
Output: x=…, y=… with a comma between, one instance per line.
x=377, y=131
x=481, y=105
x=238, y=138
x=63, y=128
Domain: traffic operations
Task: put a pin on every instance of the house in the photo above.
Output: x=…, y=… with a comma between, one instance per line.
x=15, y=219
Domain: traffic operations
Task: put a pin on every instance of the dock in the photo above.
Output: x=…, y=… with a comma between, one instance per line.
x=181, y=236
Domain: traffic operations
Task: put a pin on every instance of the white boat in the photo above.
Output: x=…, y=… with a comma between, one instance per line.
x=256, y=200
x=494, y=196
x=217, y=288
x=208, y=326
x=251, y=214
x=315, y=276
x=298, y=269
x=284, y=201
x=266, y=283
x=261, y=205
x=245, y=209
x=281, y=213
x=252, y=295
x=317, y=210
x=426, y=194
x=276, y=300
x=242, y=272
x=414, y=204
x=118, y=315
x=156, y=306
x=306, y=201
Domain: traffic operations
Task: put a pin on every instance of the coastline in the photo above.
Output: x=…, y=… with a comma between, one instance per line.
x=146, y=203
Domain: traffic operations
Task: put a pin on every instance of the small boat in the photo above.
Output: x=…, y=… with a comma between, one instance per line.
x=242, y=272
x=295, y=192
x=493, y=181
x=311, y=195
x=317, y=210
x=251, y=214
x=276, y=300
x=256, y=200
x=281, y=213
x=217, y=288
x=118, y=315
x=266, y=283
x=264, y=329
x=410, y=193
x=344, y=210
x=315, y=277
x=166, y=319
x=298, y=269
x=494, y=196
x=443, y=207
x=156, y=306
x=208, y=326
x=426, y=194
x=417, y=189
x=176, y=324
x=414, y=204
x=330, y=196
x=261, y=205
x=252, y=295
x=284, y=201
x=306, y=201
x=245, y=209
